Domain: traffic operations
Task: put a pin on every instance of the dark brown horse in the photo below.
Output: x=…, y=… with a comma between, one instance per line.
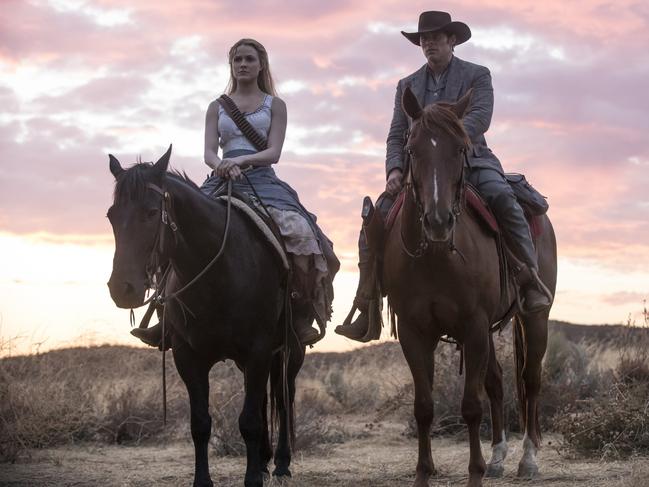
x=442, y=277
x=234, y=311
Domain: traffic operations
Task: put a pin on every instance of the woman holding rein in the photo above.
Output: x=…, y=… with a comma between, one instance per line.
x=311, y=255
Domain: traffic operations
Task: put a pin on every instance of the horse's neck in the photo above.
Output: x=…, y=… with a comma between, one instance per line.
x=200, y=224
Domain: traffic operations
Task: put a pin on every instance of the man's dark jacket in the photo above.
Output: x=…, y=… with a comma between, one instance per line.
x=462, y=76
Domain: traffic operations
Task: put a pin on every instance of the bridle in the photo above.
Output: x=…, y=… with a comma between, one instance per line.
x=153, y=268
x=166, y=220
x=456, y=209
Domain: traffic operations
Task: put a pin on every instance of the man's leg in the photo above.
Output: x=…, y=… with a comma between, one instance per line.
x=367, y=260
x=500, y=197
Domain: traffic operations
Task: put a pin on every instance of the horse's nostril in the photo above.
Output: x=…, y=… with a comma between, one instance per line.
x=434, y=220
x=129, y=288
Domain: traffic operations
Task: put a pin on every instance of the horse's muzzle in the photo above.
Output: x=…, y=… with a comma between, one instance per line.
x=126, y=294
x=438, y=226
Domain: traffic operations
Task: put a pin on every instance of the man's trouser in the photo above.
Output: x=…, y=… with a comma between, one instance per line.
x=498, y=194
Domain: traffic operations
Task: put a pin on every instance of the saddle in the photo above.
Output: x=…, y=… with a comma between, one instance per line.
x=480, y=210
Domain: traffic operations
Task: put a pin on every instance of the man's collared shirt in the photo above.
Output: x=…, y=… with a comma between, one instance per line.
x=435, y=87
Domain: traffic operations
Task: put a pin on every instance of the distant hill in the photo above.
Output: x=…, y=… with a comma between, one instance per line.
x=108, y=356
x=597, y=333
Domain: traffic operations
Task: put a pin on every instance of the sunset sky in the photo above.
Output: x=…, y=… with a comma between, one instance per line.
x=82, y=79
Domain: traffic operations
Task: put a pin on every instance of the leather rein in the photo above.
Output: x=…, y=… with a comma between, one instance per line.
x=153, y=267
x=158, y=250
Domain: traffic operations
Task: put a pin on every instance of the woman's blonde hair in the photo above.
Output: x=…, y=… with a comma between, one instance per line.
x=265, y=79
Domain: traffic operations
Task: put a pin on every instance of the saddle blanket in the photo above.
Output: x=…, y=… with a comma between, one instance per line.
x=268, y=234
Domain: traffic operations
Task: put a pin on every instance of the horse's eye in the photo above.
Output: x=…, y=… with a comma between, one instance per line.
x=152, y=213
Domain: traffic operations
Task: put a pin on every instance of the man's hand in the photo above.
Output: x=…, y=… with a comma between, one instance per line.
x=393, y=186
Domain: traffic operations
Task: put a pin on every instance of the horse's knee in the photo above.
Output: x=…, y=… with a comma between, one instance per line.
x=424, y=410
x=201, y=427
x=471, y=410
x=250, y=426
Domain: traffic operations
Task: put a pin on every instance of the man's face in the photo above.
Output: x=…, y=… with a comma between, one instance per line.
x=437, y=46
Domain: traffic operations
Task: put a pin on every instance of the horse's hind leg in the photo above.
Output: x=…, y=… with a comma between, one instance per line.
x=494, y=388
x=251, y=422
x=476, y=358
x=532, y=338
x=284, y=410
x=266, y=449
x=195, y=375
x=418, y=351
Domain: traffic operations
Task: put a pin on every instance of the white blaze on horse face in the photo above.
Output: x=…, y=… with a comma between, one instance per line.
x=433, y=141
x=435, y=190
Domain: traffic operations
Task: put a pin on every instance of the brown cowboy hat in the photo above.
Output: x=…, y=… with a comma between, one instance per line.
x=434, y=21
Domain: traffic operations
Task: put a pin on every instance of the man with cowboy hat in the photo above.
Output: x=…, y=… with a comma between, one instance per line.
x=445, y=78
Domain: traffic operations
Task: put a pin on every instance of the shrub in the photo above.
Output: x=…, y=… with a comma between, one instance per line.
x=616, y=422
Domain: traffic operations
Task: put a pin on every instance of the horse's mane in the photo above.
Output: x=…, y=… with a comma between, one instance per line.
x=440, y=115
x=132, y=183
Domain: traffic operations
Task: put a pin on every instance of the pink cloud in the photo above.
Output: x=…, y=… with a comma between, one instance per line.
x=572, y=125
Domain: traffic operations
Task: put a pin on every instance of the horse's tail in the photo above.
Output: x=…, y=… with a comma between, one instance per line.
x=281, y=387
x=284, y=368
x=519, y=363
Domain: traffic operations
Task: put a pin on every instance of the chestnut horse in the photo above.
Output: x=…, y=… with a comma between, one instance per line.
x=234, y=311
x=442, y=277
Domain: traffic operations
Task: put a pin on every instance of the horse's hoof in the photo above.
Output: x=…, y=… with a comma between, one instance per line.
x=203, y=483
x=495, y=470
x=528, y=470
x=282, y=473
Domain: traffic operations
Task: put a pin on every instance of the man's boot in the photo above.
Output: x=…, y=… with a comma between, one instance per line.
x=368, y=300
x=359, y=328
x=511, y=218
x=152, y=336
x=536, y=296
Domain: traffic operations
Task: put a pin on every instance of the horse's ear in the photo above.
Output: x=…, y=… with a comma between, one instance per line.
x=115, y=166
x=410, y=104
x=163, y=162
x=462, y=104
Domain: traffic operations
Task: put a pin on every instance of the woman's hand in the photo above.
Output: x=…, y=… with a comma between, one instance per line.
x=230, y=168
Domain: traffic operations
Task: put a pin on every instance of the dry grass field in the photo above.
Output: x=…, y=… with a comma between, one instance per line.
x=93, y=416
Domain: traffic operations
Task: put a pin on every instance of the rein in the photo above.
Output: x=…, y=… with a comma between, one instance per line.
x=166, y=221
x=157, y=297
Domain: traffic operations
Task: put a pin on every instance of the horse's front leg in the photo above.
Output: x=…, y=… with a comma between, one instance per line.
x=251, y=422
x=195, y=374
x=418, y=350
x=476, y=358
x=494, y=388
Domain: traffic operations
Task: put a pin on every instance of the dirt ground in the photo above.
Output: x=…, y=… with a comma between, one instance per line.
x=380, y=459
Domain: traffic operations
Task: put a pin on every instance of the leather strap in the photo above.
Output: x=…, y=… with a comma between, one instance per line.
x=248, y=130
